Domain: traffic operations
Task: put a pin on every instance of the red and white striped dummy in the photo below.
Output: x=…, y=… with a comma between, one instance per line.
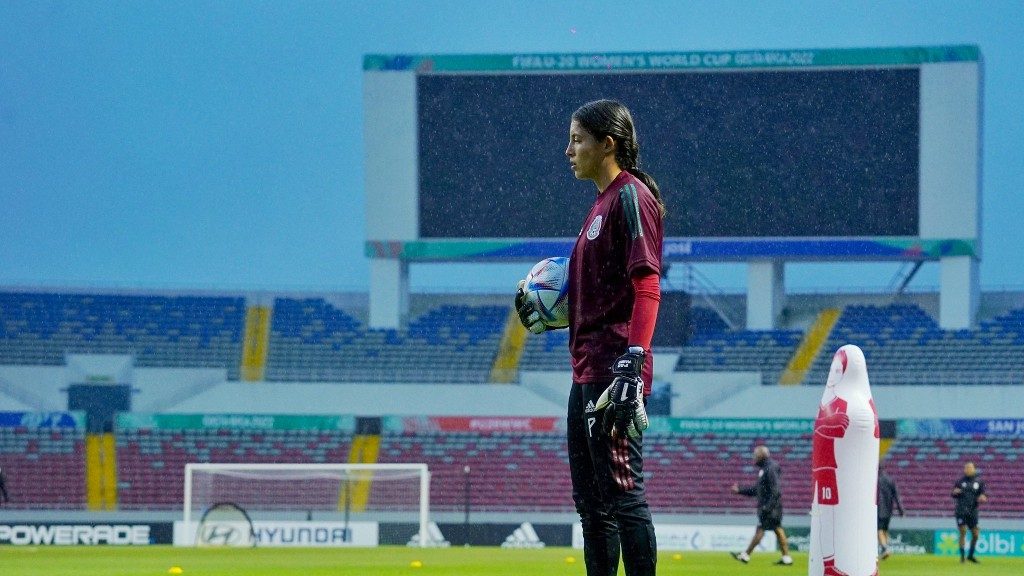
x=844, y=462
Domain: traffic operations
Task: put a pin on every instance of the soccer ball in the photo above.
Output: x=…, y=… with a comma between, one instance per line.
x=547, y=287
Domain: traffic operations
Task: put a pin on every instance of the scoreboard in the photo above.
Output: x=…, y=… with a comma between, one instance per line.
x=853, y=154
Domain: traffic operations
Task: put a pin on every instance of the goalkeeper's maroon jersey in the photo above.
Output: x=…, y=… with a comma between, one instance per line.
x=621, y=236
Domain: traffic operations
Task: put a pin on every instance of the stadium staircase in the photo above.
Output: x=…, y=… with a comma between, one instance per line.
x=256, y=343
x=513, y=342
x=365, y=449
x=100, y=471
x=810, y=347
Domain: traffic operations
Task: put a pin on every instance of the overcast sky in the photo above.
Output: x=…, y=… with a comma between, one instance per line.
x=219, y=144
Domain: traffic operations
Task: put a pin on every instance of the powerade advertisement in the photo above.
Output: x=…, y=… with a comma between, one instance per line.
x=80, y=534
x=990, y=543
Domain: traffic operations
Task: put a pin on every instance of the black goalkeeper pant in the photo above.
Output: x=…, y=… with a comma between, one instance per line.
x=608, y=489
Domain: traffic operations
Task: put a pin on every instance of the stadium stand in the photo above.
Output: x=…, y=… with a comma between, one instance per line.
x=926, y=468
x=713, y=347
x=692, y=474
x=547, y=351
x=151, y=463
x=45, y=468
x=312, y=340
x=687, y=473
x=904, y=345
x=505, y=469
x=160, y=331
x=764, y=351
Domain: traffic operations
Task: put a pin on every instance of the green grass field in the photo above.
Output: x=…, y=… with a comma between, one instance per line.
x=394, y=560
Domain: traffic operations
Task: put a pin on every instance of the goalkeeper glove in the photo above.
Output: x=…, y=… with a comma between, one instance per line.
x=623, y=401
x=527, y=312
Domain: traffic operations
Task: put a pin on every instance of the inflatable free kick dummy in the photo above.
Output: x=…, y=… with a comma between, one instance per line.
x=844, y=460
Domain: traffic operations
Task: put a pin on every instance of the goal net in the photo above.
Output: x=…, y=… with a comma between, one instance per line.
x=342, y=494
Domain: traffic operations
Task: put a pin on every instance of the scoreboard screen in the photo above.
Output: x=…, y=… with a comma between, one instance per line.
x=761, y=154
x=816, y=154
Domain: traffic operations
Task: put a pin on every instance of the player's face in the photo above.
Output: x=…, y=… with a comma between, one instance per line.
x=585, y=153
x=969, y=470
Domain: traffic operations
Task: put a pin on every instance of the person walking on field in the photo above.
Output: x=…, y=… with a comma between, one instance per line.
x=4, y=497
x=968, y=493
x=888, y=502
x=768, y=491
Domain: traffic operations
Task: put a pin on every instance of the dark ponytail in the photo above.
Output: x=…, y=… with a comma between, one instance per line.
x=611, y=118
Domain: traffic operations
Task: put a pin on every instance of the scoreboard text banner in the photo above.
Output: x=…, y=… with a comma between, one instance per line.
x=682, y=249
x=596, y=62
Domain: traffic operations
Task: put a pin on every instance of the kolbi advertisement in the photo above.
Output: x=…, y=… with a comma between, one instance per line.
x=990, y=543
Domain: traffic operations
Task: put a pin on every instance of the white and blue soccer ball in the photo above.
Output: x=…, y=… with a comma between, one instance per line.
x=547, y=287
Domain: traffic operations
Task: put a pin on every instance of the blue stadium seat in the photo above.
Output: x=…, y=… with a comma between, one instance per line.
x=312, y=340
x=161, y=331
x=904, y=345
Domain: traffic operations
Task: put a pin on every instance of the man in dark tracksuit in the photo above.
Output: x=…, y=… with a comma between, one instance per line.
x=3, y=488
x=968, y=492
x=768, y=491
x=888, y=501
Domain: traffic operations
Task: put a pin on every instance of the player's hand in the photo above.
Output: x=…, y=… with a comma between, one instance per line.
x=983, y=498
x=956, y=491
x=625, y=413
x=735, y=488
x=528, y=314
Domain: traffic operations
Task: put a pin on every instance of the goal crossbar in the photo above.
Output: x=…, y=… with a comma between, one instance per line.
x=419, y=470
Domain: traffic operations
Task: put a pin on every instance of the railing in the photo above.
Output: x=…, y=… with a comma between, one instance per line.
x=698, y=284
x=954, y=378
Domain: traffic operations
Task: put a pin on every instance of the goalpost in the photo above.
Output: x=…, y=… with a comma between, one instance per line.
x=346, y=490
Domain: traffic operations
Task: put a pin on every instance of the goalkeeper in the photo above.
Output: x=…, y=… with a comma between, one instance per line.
x=614, y=293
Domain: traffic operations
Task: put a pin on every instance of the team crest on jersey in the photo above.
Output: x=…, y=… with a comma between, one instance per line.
x=595, y=227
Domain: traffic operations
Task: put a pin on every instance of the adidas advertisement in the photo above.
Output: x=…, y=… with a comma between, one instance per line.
x=434, y=538
x=278, y=534
x=523, y=537
x=505, y=535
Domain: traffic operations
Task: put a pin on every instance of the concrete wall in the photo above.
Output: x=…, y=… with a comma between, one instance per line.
x=44, y=388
